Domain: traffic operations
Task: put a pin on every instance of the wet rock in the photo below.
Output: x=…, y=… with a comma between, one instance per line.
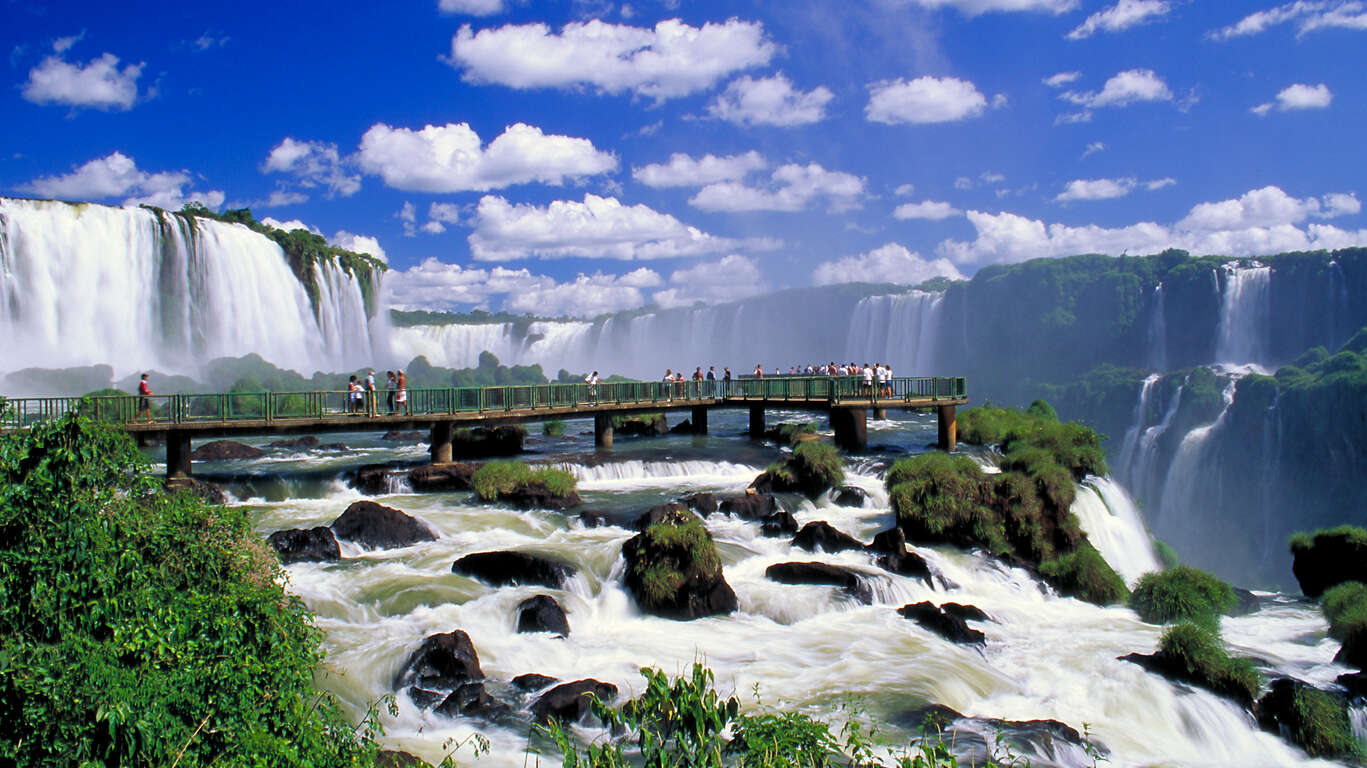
x=334, y=448
x=533, y=682
x=200, y=489
x=702, y=503
x=379, y=527
x=569, y=702
x=822, y=536
x=220, y=450
x=482, y=442
x=314, y=545
x=1328, y=558
x=472, y=700
x=970, y=735
x=749, y=506
x=534, y=496
x=304, y=443
x=946, y=625
x=822, y=573
x=1316, y=721
x=1247, y=603
x=594, y=518
x=441, y=663
x=371, y=479
x=514, y=568
x=934, y=718
x=684, y=427
x=392, y=758
x=1353, y=651
x=648, y=425
x=965, y=612
x=850, y=496
x=896, y=558
x=395, y=436
x=1177, y=669
x=435, y=478
x=542, y=614
x=658, y=513
x=673, y=569
x=780, y=523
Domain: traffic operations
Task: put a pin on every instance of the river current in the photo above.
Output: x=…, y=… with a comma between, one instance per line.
x=805, y=648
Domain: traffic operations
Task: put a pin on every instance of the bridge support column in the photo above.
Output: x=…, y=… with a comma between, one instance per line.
x=440, y=444
x=949, y=428
x=880, y=413
x=602, y=430
x=177, y=456
x=756, y=421
x=851, y=428
x=699, y=420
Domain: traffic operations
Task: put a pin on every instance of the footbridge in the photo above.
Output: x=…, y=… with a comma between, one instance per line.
x=180, y=419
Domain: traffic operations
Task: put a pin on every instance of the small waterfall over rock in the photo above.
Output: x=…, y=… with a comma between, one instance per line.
x=1115, y=527
x=1185, y=475
x=83, y=284
x=1245, y=316
x=1129, y=446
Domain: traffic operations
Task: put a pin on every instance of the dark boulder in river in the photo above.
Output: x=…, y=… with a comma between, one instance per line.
x=371, y=479
x=592, y=518
x=542, y=614
x=513, y=568
x=472, y=700
x=441, y=663
x=673, y=569
x=749, y=506
x=945, y=624
x=702, y=503
x=894, y=556
x=821, y=535
x=780, y=523
x=976, y=739
x=220, y=450
x=569, y=702
x=404, y=437
x=1314, y=720
x=314, y=545
x=847, y=579
x=1329, y=557
x=850, y=496
x=441, y=477
x=300, y=444
x=533, y=682
x=208, y=492
x=659, y=513
x=379, y=527
x=391, y=758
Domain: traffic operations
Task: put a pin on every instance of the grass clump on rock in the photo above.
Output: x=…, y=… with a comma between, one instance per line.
x=1021, y=514
x=1197, y=655
x=1315, y=720
x=673, y=568
x=553, y=428
x=1182, y=594
x=813, y=469
x=1345, y=606
x=514, y=480
x=1328, y=557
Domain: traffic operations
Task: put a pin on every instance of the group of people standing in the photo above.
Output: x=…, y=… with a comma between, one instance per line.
x=361, y=394
x=876, y=374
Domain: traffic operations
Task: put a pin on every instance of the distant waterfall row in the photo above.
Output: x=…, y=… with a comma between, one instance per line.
x=84, y=284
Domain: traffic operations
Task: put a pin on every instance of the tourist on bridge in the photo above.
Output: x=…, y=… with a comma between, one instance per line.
x=390, y=384
x=401, y=397
x=145, y=399
x=592, y=381
x=370, y=403
x=726, y=381
x=354, y=395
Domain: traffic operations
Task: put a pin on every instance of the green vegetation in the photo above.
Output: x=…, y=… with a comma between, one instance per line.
x=793, y=433
x=1345, y=606
x=1321, y=726
x=681, y=547
x=1021, y=514
x=496, y=479
x=1329, y=557
x=553, y=428
x=638, y=422
x=1198, y=655
x=813, y=468
x=1182, y=594
x=1166, y=554
x=141, y=628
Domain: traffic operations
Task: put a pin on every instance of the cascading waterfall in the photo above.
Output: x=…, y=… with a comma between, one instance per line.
x=136, y=288
x=1140, y=473
x=1185, y=474
x=1270, y=476
x=1158, y=331
x=1129, y=446
x=1114, y=526
x=900, y=330
x=1245, y=316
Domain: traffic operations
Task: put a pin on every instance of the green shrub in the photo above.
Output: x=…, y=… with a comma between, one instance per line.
x=792, y=434
x=821, y=461
x=1042, y=409
x=1182, y=594
x=1319, y=723
x=498, y=478
x=1350, y=534
x=1199, y=656
x=140, y=628
x=553, y=428
x=1085, y=574
x=1345, y=606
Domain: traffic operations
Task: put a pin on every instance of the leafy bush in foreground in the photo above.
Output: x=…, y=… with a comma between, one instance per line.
x=138, y=628
x=1182, y=594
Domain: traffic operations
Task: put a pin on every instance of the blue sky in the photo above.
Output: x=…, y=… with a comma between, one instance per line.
x=576, y=157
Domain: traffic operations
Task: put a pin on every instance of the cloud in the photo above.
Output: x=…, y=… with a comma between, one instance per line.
x=445, y=213
x=672, y=59
x=289, y=226
x=1158, y=184
x=1094, y=148
x=471, y=7
x=684, y=171
x=792, y=188
x=450, y=286
x=928, y=209
x=1121, y=16
x=1309, y=17
x=1096, y=189
x=1298, y=96
x=1259, y=222
x=117, y=175
x=977, y=7
x=1061, y=79
x=770, y=101
x=280, y=198
x=732, y=278
x=1122, y=90
x=312, y=164
x=449, y=158
x=99, y=84
x=598, y=227
x=891, y=263
x=905, y=190
x=924, y=100
x=359, y=244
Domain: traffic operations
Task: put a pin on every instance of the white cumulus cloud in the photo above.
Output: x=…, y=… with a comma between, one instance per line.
x=1061, y=79
x=1308, y=16
x=449, y=158
x=99, y=83
x=770, y=101
x=359, y=244
x=471, y=7
x=436, y=284
x=598, y=227
x=1299, y=96
x=791, y=188
x=890, y=263
x=669, y=60
x=685, y=171
x=929, y=209
x=924, y=100
x=1096, y=189
x=117, y=175
x=313, y=164
x=1121, y=16
x=1122, y=90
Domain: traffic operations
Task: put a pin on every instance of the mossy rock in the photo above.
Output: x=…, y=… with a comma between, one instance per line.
x=1182, y=594
x=1328, y=557
x=1086, y=575
x=1193, y=654
x=1316, y=721
x=642, y=425
x=814, y=468
x=1345, y=607
x=516, y=483
x=673, y=569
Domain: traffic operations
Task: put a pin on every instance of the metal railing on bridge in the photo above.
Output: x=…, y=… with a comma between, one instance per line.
x=556, y=399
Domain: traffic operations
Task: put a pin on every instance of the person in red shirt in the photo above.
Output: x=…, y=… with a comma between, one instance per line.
x=145, y=399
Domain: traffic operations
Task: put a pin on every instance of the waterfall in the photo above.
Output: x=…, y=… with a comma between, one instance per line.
x=1245, y=316
x=1158, y=331
x=84, y=284
x=1130, y=444
x=1115, y=528
x=900, y=330
x=1189, y=465
x=1270, y=477
x=1337, y=315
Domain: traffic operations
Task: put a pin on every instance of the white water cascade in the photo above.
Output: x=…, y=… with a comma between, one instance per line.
x=1245, y=316
x=1129, y=446
x=900, y=330
x=84, y=284
x=1185, y=474
x=1115, y=527
x=1158, y=331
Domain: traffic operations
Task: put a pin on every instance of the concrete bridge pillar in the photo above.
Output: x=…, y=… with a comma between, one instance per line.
x=880, y=413
x=851, y=428
x=440, y=444
x=177, y=455
x=699, y=420
x=949, y=428
x=602, y=430
x=756, y=421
